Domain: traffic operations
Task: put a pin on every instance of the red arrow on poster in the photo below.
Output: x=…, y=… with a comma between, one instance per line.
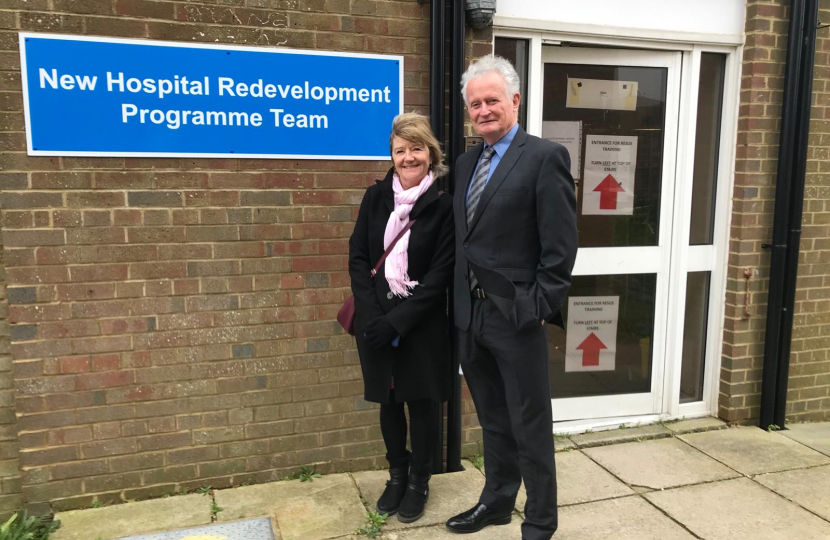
x=608, y=190
x=590, y=350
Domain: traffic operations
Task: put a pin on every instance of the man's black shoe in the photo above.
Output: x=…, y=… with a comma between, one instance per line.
x=476, y=518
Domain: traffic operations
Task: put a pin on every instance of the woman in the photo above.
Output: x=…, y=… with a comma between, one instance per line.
x=401, y=313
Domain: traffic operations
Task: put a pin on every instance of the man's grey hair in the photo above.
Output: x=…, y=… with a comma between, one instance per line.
x=492, y=64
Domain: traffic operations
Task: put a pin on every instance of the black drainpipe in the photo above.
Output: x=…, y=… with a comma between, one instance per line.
x=437, y=24
x=456, y=148
x=789, y=201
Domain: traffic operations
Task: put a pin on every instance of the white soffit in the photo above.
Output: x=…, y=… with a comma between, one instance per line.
x=719, y=21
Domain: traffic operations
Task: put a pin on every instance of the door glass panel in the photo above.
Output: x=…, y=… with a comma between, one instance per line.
x=516, y=51
x=694, y=337
x=707, y=144
x=617, y=114
x=610, y=350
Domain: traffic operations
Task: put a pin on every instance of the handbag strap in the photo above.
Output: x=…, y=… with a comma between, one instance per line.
x=392, y=246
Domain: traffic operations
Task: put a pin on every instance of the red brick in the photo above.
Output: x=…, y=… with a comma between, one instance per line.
x=127, y=326
x=145, y=9
x=100, y=272
x=33, y=238
x=94, y=199
x=65, y=329
x=91, y=291
x=97, y=235
x=102, y=344
x=29, y=275
x=106, y=362
x=185, y=286
x=91, y=381
x=158, y=270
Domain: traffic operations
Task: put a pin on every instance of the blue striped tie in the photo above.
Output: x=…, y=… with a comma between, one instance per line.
x=476, y=188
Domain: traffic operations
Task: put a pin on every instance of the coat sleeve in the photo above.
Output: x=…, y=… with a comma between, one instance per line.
x=556, y=220
x=432, y=289
x=360, y=264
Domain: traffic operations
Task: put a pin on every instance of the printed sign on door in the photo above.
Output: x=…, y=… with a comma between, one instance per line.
x=602, y=94
x=591, y=343
x=610, y=164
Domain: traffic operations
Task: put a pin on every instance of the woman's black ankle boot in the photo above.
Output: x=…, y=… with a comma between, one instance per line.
x=395, y=490
x=415, y=500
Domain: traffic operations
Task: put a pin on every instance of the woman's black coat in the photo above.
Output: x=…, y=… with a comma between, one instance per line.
x=420, y=364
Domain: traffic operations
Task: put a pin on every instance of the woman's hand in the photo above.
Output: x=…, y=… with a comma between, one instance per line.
x=379, y=332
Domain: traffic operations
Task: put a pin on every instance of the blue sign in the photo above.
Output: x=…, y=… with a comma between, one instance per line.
x=115, y=97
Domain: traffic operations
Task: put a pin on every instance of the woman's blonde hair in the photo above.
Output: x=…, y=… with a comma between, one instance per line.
x=415, y=128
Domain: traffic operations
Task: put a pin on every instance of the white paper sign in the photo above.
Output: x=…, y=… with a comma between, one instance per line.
x=569, y=135
x=600, y=94
x=610, y=164
x=591, y=343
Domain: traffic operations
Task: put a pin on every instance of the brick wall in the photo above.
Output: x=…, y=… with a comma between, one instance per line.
x=752, y=210
x=173, y=320
x=10, y=496
x=808, y=398
x=755, y=179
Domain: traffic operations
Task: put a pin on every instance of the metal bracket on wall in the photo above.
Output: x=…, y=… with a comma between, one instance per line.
x=471, y=141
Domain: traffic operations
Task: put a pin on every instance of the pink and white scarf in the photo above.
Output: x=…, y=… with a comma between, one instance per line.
x=396, y=265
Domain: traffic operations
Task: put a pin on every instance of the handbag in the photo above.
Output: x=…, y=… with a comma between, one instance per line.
x=346, y=314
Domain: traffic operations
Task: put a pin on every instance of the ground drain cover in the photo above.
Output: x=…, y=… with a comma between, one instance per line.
x=252, y=529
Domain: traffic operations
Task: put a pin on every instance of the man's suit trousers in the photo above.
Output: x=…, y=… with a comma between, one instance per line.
x=507, y=372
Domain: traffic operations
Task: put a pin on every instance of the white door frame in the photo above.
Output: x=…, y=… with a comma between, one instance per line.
x=630, y=260
x=713, y=258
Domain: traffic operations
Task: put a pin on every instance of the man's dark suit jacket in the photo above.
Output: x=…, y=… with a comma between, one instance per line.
x=523, y=238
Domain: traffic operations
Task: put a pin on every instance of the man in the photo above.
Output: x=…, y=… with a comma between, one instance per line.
x=516, y=240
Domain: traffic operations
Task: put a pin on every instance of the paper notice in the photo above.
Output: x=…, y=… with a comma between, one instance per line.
x=591, y=343
x=600, y=94
x=610, y=164
x=569, y=135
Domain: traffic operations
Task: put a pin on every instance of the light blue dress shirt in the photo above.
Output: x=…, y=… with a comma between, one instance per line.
x=500, y=147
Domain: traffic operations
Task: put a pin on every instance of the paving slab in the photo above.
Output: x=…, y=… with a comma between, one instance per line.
x=816, y=436
x=659, y=464
x=738, y=509
x=513, y=531
x=563, y=444
x=809, y=488
x=251, y=529
x=449, y=494
x=580, y=480
x=615, y=436
x=630, y=518
x=696, y=424
x=328, y=507
x=751, y=451
x=118, y=521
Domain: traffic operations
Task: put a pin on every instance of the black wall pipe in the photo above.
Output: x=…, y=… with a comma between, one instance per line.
x=436, y=120
x=456, y=148
x=457, y=59
x=789, y=201
x=437, y=37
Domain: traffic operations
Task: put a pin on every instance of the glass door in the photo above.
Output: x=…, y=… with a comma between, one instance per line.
x=616, y=111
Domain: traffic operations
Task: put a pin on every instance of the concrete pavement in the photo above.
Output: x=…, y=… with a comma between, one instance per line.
x=663, y=482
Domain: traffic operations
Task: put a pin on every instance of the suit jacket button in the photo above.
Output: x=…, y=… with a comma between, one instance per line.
x=389, y=295
x=466, y=244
